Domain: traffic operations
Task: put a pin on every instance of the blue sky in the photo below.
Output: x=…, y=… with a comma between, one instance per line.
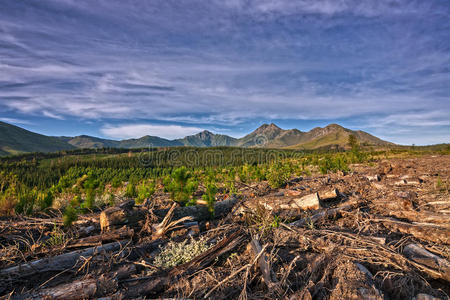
x=123, y=68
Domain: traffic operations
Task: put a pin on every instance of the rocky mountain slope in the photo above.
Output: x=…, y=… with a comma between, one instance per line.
x=15, y=140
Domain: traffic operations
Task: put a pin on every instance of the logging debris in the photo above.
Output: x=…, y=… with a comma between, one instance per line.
x=380, y=231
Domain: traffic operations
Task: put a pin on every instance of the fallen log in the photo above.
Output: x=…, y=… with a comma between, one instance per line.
x=119, y=234
x=200, y=212
x=422, y=216
x=119, y=216
x=431, y=233
x=426, y=258
x=84, y=288
x=322, y=215
x=57, y=263
x=154, y=284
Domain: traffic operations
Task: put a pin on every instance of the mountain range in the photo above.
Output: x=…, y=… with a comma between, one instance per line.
x=15, y=140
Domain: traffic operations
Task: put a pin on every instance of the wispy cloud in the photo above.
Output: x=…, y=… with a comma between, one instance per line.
x=126, y=131
x=15, y=121
x=226, y=63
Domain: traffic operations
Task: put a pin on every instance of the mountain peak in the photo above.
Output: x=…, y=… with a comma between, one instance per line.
x=265, y=128
x=271, y=125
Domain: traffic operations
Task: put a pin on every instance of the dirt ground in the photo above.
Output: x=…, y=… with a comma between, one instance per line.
x=382, y=231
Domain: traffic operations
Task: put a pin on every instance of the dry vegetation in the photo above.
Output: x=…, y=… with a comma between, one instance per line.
x=380, y=231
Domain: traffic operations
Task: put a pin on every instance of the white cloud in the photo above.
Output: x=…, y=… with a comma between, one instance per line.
x=15, y=121
x=52, y=115
x=127, y=131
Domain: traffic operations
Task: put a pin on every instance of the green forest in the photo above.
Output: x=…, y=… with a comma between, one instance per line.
x=84, y=180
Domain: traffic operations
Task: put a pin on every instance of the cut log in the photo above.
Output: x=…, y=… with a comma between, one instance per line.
x=431, y=233
x=426, y=258
x=308, y=202
x=56, y=263
x=113, y=216
x=328, y=195
x=263, y=264
x=322, y=215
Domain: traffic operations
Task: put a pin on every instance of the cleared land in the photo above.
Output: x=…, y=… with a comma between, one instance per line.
x=381, y=231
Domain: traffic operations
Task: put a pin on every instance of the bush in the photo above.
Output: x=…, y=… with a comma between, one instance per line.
x=26, y=200
x=179, y=188
x=210, y=197
x=333, y=164
x=278, y=175
x=175, y=254
x=7, y=203
x=70, y=215
x=145, y=191
x=46, y=200
x=131, y=191
x=90, y=199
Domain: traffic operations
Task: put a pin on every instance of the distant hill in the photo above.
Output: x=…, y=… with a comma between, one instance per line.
x=208, y=139
x=148, y=141
x=270, y=135
x=335, y=135
x=86, y=141
x=15, y=140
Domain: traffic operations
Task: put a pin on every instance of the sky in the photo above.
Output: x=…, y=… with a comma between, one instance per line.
x=127, y=68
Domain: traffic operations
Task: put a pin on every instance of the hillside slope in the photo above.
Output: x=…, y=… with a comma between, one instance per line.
x=208, y=139
x=335, y=135
x=15, y=140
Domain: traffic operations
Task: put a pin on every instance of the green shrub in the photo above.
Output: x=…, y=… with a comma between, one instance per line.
x=179, y=188
x=131, y=191
x=90, y=199
x=145, y=191
x=70, y=215
x=57, y=238
x=46, y=200
x=333, y=164
x=26, y=200
x=210, y=197
x=278, y=175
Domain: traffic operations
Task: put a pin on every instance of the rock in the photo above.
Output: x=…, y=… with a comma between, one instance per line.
x=307, y=202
